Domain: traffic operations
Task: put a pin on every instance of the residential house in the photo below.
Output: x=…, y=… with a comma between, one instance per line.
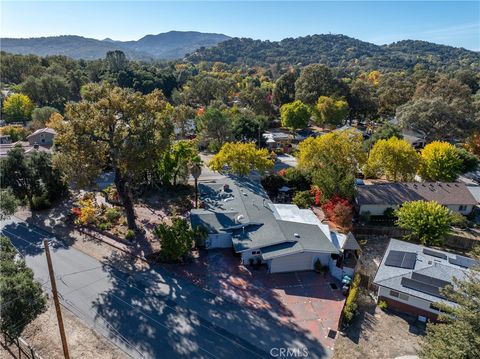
x=376, y=198
x=411, y=277
x=238, y=213
x=39, y=141
x=42, y=137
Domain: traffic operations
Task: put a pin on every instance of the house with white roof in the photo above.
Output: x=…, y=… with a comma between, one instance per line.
x=411, y=277
x=237, y=213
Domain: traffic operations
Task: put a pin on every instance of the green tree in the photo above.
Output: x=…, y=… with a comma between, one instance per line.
x=241, y=158
x=384, y=132
x=469, y=160
x=440, y=161
x=284, y=90
x=21, y=297
x=295, y=115
x=394, y=89
x=175, y=240
x=332, y=161
x=176, y=162
x=18, y=107
x=47, y=90
x=31, y=177
x=314, y=81
x=393, y=158
x=330, y=110
x=8, y=203
x=258, y=99
x=116, y=128
x=457, y=333
x=429, y=222
x=362, y=100
x=247, y=126
x=41, y=115
x=214, y=127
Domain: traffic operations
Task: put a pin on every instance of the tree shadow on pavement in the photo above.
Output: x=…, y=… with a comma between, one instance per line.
x=164, y=316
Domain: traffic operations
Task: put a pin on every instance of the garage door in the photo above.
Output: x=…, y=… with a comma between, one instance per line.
x=292, y=263
x=219, y=240
x=296, y=262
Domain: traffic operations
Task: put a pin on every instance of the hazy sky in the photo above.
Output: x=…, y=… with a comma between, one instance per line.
x=451, y=23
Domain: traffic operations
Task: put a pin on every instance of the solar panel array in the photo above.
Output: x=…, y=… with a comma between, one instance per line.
x=434, y=253
x=422, y=287
x=401, y=259
x=464, y=262
x=429, y=280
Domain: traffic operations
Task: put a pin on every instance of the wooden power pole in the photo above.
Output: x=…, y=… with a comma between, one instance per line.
x=56, y=301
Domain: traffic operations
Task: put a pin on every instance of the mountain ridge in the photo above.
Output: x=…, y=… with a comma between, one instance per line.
x=164, y=46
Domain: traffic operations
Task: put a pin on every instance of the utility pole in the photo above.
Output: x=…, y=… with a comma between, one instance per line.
x=56, y=301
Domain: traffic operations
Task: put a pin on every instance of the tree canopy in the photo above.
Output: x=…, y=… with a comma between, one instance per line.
x=18, y=107
x=295, y=115
x=394, y=158
x=332, y=161
x=21, y=297
x=429, y=222
x=440, y=161
x=241, y=159
x=118, y=128
x=331, y=111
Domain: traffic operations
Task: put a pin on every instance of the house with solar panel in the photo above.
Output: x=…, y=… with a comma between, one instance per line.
x=410, y=277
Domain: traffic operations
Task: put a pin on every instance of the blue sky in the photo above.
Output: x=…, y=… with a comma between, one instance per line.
x=451, y=23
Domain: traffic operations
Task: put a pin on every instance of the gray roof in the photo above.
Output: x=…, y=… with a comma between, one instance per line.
x=43, y=130
x=396, y=193
x=475, y=191
x=391, y=277
x=246, y=208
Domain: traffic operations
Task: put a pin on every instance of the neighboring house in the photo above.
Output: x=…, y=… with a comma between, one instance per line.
x=238, y=213
x=416, y=139
x=39, y=141
x=277, y=139
x=376, y=198
x=475, y=191
x=42, y=137
x=410, y=277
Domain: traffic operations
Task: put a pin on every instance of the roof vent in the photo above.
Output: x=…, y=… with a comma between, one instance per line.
x=240, y=217
x=296, y=235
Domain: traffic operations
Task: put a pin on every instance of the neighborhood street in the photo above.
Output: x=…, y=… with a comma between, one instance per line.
x=148, y=313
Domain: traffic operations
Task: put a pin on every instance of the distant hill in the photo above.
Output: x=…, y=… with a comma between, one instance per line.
x=338, y=51
x=166, y=46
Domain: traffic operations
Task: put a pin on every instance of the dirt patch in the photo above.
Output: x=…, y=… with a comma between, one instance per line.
x=43, y=335
x=374, y=333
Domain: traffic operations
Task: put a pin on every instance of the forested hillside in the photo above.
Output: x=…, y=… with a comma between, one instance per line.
x=338, y=51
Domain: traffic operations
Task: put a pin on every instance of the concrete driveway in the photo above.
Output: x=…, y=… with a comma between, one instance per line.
x=304, y=299
x=150, y=313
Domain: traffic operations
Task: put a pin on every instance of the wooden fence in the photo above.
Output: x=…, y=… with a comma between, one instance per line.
x=23, y=349
x=453, y=240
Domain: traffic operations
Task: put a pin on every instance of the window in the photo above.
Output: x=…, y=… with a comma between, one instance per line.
x=255, y=253
x=462, y=207
x=399, y=295
x=394, y=294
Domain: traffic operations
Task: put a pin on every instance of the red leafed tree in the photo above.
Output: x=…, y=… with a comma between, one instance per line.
x=317, y=195
x=339, y=211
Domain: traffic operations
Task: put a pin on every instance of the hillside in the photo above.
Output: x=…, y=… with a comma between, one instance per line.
x=338, y=51
x=166, y=46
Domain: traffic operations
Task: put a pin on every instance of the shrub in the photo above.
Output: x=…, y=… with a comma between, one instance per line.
x=130, y=235
x=41, y=202
x=296, y=179
x=105, y=226
x=272, y=183
x=317, y=195
x=112, y=215
x=88, y=213
x=458, y=220
x=382, y=305
x=389, y=212
x=175, y=240
x=339, y=211
x=350, y=303
x=303, y=199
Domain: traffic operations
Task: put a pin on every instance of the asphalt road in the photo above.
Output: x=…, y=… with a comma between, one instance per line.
x=150, y=313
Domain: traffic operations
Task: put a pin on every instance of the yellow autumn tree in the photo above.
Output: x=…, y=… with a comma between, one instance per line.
x=394, y=158
x=241, y=158
x=440, y=161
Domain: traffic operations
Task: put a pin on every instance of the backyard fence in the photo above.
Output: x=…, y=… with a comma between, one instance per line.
x=23, y=349
x=453, y=240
